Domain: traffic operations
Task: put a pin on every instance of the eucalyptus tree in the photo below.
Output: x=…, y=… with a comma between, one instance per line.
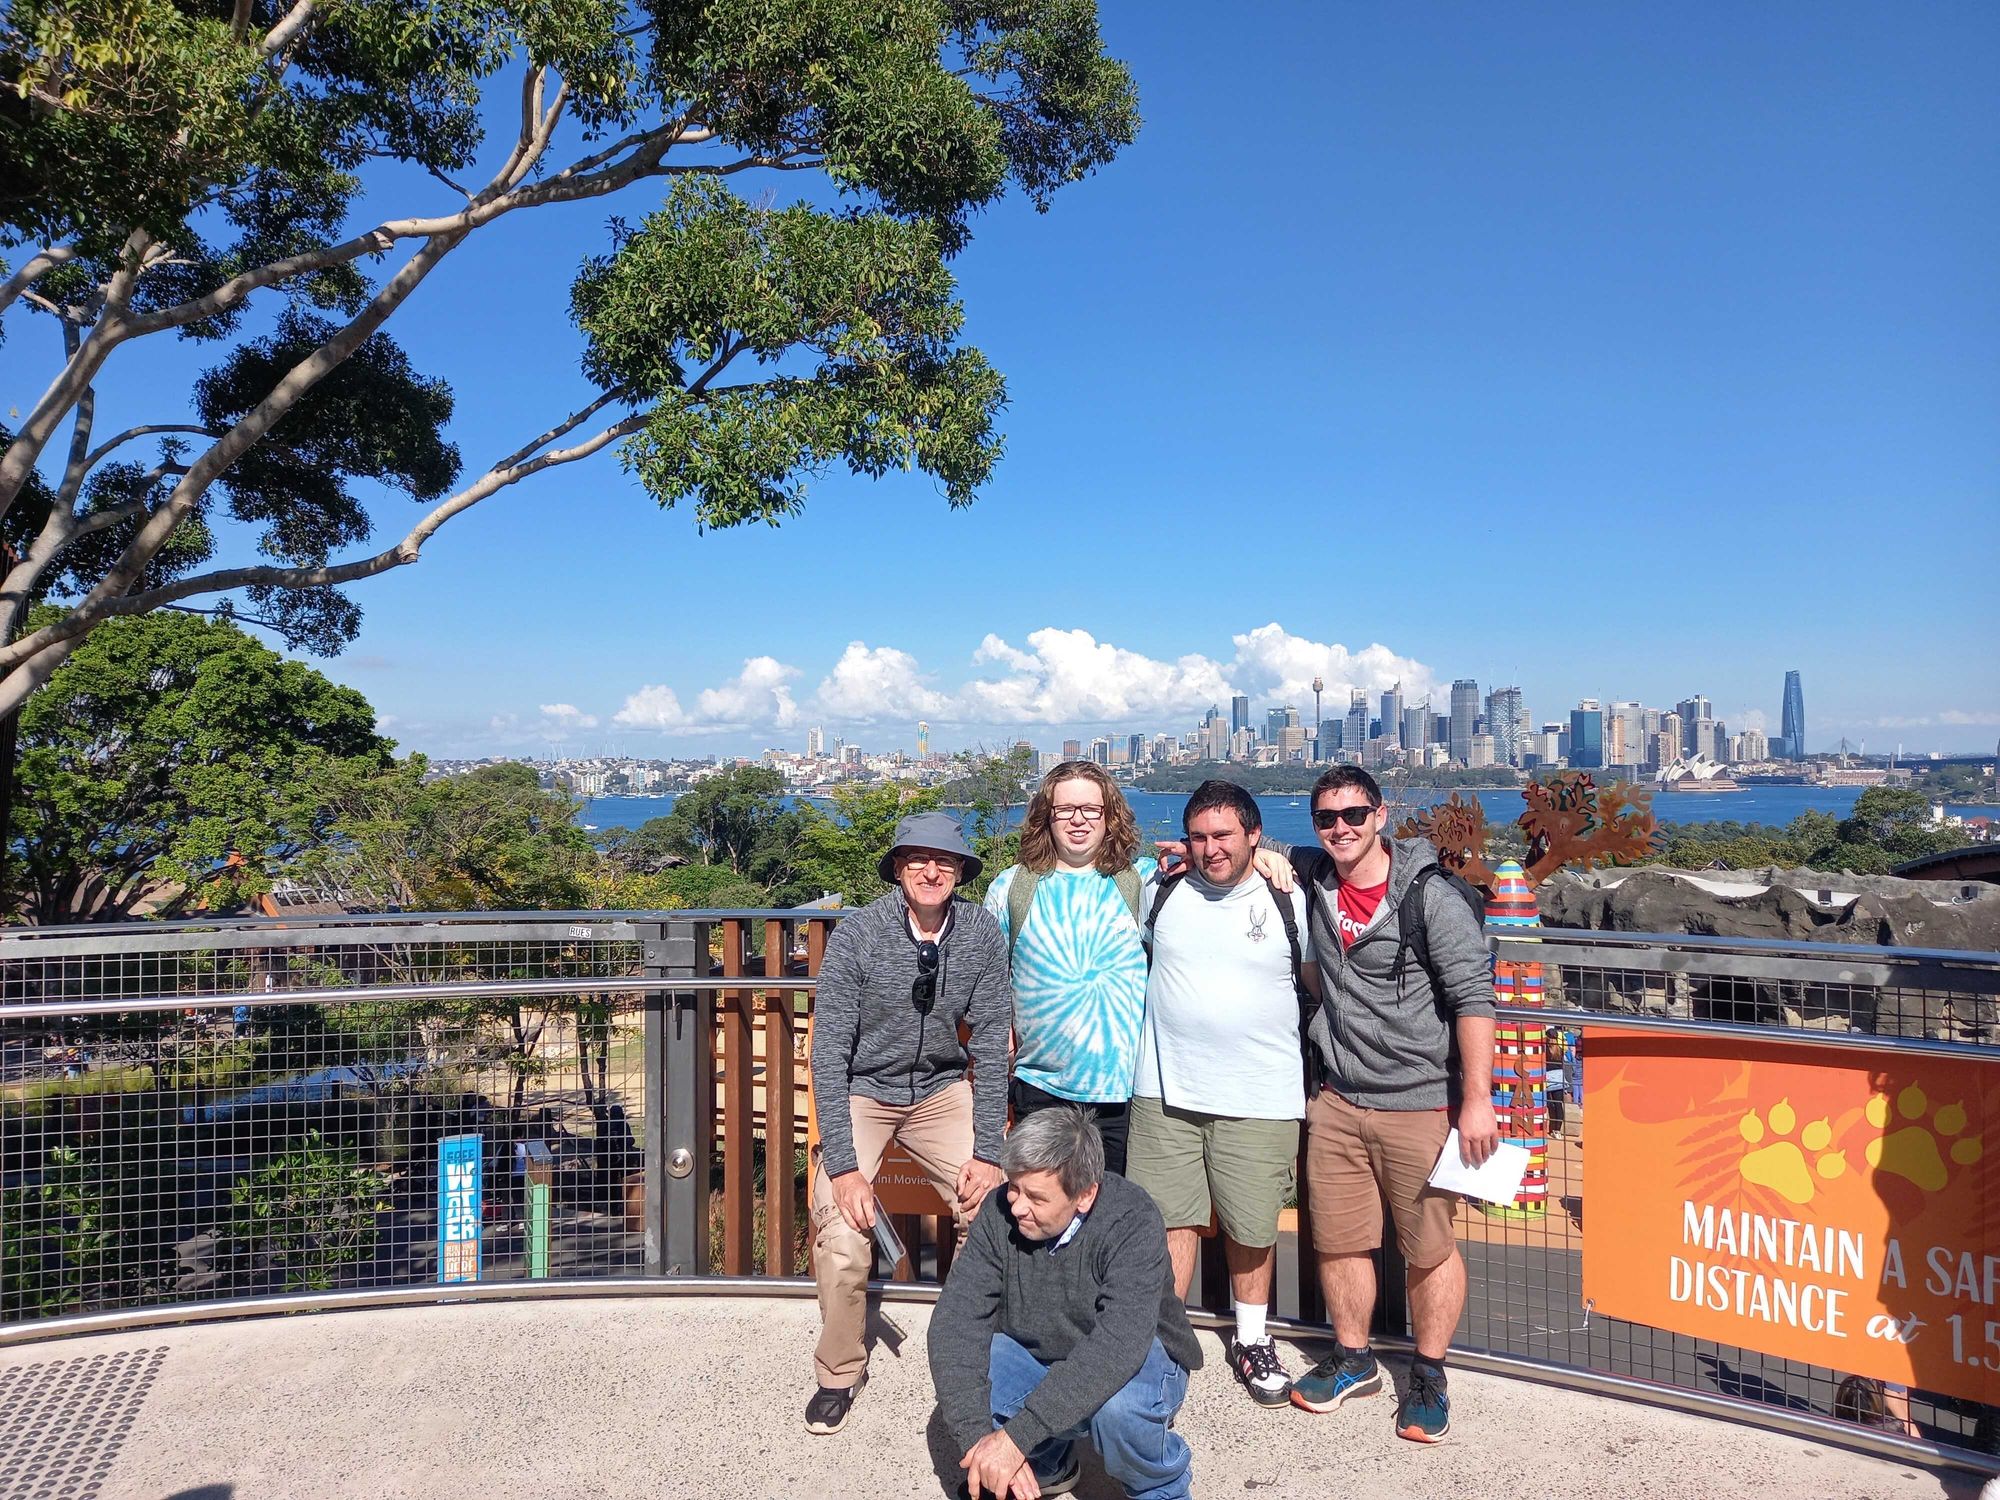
x=193, y=170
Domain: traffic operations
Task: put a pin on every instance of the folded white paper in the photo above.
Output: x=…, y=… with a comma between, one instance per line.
x=1498, y=1181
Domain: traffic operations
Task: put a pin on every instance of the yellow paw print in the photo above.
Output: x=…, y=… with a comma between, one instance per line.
x=1782, y=1166
x=1912, y=1151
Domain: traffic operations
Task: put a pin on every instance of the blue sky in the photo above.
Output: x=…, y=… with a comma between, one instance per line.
x=1628, y=352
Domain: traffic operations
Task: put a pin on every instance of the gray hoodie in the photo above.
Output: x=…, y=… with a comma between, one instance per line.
x=1391, y=1044
x=870, y=1039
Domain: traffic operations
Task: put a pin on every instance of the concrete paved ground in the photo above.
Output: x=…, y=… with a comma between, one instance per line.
x=669, y=1397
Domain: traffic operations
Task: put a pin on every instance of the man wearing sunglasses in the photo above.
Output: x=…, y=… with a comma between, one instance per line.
x=1403, y=1042
x=899, y=979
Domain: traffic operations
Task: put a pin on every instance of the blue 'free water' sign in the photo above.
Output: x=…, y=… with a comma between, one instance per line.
x=459, y=1189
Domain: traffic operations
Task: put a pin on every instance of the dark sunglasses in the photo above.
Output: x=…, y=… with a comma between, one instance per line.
x=1353, y=817
x=923, y=989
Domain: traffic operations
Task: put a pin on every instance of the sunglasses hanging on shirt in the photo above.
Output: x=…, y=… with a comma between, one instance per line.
x=923, y=989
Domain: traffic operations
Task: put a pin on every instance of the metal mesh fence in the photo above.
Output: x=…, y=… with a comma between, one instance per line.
x=205, y=1150
x=1526, y=1269
x=162, y=1139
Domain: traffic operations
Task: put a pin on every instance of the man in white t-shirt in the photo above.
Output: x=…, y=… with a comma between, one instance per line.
x=1220, y=1086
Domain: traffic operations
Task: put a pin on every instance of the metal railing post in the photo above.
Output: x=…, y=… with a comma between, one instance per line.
x=687, y=1090
x=653, y=956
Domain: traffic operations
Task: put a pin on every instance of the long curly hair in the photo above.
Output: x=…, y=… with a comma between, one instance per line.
x=1121, y=829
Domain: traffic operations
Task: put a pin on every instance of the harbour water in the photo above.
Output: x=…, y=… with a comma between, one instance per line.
x=1289, y=817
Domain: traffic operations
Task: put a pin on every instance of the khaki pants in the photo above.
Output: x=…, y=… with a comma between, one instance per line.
x=937, y=1132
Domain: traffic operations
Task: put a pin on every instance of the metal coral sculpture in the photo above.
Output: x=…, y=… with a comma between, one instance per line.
x=1572, y=821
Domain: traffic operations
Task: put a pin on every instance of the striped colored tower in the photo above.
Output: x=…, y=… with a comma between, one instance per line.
x=1520, y=1050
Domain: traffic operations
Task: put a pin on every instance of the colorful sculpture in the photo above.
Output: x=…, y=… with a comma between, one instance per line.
x=1520, y=1061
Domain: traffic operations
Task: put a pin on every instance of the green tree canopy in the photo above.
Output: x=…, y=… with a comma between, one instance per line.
x=839, y=849
x=186, y=169
x=177, y=762
x=492, y=839
x=735, y=819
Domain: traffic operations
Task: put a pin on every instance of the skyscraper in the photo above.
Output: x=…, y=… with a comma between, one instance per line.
x=1507, y=721
x=1354, y=734
x=1464, y=709
x=815, y=742
x=1625, y=734
x=1239, y=713
x=923, y=740
x=1586, y=734
x=1417, y=726
x=1792, y=722
x=1392, y=713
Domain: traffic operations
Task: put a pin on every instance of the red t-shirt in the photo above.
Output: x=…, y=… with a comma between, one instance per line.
x=1354, y=907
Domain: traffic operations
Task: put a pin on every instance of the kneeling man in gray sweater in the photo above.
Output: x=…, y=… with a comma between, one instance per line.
x=1059, y=1321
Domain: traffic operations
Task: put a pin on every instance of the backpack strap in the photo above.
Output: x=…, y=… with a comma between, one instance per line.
x=1128, y=883
x=1291, y=921
x=1161, y=891
x=1020, y=896
x=1413, y=924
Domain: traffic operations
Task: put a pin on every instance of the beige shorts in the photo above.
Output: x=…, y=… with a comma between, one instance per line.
x=1355, y=1158
x=1194, y=1164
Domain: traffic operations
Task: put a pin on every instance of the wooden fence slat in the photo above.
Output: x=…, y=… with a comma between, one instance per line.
x=739, y=1081
x=780, y=1031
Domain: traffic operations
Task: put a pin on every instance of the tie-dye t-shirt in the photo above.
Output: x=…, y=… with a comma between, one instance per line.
x=1079, y=984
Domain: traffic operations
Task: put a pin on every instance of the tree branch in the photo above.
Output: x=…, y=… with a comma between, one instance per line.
x=32, y=270
x=132, y=434
x=281, y=36
x=62, y=637
x=75, y=377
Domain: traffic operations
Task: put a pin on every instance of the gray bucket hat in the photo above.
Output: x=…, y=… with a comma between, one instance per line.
x=931, y=830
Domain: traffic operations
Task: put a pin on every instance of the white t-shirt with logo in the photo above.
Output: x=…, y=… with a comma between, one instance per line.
x=1221, y=1035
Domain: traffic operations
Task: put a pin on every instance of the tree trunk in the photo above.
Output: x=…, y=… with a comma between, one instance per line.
x=10, y=739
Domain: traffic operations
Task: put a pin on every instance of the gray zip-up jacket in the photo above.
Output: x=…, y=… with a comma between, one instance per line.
x=1391, y=1043
x=869, y=1037
x=1089, y=1310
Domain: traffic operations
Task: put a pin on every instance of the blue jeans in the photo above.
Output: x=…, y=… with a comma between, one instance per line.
x=1129, y=1431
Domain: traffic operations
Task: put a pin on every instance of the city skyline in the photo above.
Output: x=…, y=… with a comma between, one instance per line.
x=771, y=714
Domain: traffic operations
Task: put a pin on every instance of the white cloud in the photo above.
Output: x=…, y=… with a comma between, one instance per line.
x=1271, y=662
x=567, y=716
x=756, y=696
x=1751, y=718
x=1959, y=716
x=1057, y=677
x=872, y=683
x=652, y=707
x=1071, y=677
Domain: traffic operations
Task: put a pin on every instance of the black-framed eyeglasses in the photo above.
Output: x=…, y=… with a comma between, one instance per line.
x=1353, y=817
x=923, y=989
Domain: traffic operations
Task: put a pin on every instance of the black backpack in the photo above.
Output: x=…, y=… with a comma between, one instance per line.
x=1278, y=897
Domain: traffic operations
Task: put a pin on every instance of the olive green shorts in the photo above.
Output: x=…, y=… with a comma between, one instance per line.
x=1194, y=1164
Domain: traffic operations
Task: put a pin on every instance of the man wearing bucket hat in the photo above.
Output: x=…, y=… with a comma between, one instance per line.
x=900, y=977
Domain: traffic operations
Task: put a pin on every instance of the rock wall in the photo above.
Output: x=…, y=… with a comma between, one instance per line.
x=1888, y=912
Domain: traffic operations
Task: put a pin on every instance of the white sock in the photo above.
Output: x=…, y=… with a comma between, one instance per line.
x=1250, y=1322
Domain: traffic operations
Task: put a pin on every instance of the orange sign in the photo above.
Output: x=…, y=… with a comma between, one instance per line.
x=1807, y=1202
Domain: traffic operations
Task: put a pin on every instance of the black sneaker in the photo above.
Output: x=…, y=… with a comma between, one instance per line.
x=1257, y=1366
x=1337, y=1379
x=1424, y=1416
x=827, y=1411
